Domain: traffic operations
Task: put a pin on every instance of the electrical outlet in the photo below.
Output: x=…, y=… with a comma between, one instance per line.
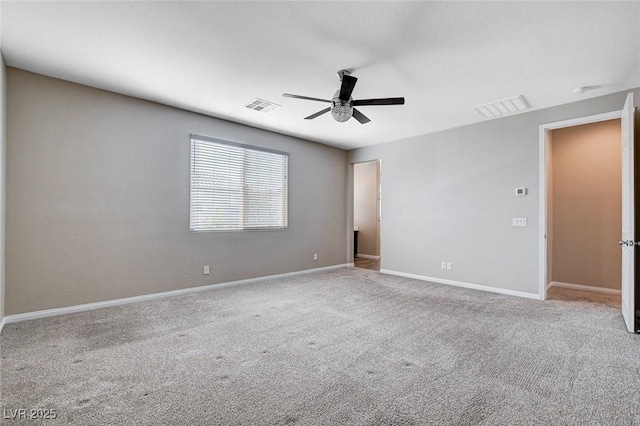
x=315, y=256
x=206, y=270
x=448, y=266
x=443, y=265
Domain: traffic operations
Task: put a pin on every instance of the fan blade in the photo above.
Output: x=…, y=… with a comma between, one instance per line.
x=317, y=114
x=348, y=83
x=289, y=95
x=363, y=119
x=385, y=101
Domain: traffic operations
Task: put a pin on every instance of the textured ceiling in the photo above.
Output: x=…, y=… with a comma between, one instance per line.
x=444, y=58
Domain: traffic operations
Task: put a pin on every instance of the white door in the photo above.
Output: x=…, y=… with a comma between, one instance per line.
x=628, y=216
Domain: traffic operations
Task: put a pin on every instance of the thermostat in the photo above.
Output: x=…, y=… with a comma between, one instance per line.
x=521, y=191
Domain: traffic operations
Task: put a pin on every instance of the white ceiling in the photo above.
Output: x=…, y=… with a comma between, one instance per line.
x=444, y=58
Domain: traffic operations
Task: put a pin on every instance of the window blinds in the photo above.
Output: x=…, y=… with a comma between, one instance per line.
x=235, y=186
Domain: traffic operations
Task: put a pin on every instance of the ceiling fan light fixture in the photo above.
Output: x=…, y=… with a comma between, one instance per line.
x=342, y=113
x=342, y=104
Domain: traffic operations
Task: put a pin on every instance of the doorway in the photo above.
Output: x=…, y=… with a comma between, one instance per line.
x=366, y=215
x=627, y=243
x=584, y=211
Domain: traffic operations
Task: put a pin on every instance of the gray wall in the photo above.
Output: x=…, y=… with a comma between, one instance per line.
x=3, y=169
x=98, y=200
x=365, y=207
x=449, y=196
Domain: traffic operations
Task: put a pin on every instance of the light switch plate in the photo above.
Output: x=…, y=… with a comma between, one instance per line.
x=519, y=221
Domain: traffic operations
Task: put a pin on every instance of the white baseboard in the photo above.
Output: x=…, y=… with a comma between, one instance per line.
x=9, y=319
x=3, y=321
x=535, y=296
x=583, y=287
x=351, y=265
x=368, y=256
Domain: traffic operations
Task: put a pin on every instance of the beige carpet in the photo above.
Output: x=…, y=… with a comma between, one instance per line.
x=349, y=346
x=361, y=262
x=572, y=295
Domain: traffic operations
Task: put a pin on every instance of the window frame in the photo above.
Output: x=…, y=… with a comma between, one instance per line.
x=193, y=138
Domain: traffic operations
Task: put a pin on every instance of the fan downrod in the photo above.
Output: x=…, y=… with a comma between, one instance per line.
x=342, y=73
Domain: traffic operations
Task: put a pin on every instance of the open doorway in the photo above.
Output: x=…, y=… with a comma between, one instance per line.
x=584, y=210
x=627, y=243
x=366, y=215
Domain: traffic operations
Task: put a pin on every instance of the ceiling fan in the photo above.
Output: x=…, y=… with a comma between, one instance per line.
x=342, y=104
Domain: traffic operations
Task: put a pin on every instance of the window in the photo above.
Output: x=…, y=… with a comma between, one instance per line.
x=236, y=187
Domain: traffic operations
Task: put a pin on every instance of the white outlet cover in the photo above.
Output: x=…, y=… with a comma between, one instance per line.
x=206, y=270
x=443, y=265
x=449, y=266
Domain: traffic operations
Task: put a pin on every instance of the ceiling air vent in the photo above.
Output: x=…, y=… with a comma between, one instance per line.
x=502, y=107
x=262, y=105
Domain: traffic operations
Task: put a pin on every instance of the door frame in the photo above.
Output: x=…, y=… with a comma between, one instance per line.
x=542, y=159
x=350, y=220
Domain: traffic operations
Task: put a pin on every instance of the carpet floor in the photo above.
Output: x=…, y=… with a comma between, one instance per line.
x=569, y=294
x=361, y=262
x=349, y=346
